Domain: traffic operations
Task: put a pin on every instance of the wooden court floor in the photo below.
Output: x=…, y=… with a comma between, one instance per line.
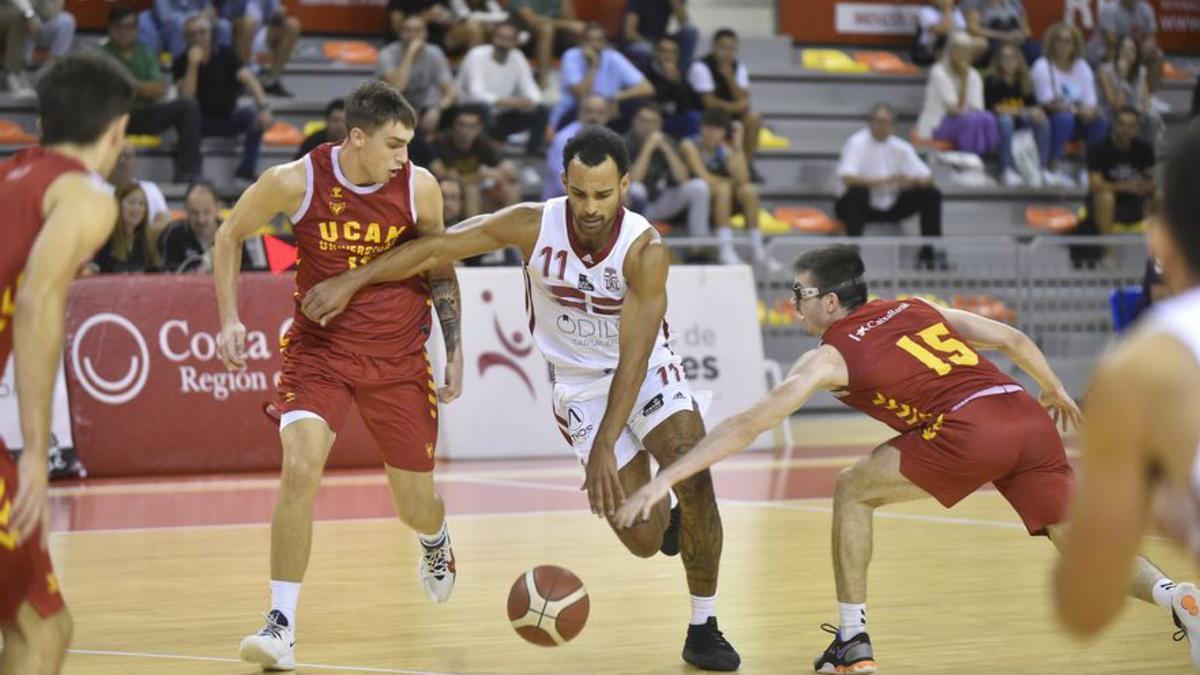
x=167, y=577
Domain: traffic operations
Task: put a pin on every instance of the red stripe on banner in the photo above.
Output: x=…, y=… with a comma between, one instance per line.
x=567, y=292
x=607, y=302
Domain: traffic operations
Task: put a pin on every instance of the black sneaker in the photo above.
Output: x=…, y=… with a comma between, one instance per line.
x=846, y=656
x=276, y=88
x=670, y=542
x=707, y=649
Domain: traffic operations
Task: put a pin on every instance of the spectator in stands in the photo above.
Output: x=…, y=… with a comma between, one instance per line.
x=1124, y=82
x=1001, y=22
x=1121, y=183
x=420, y=71
x=718, y=156
x=724, y=82
x=334, y=130
x=187, y=243
x=885, y=181
x=498, y=78
x=452, y=201
x=672, y=92
x=131, y=248
x=452, y=32
x=594, y=109
x=161, y=28
x=1128, y=18
x=1066, y=87
x=263, y=27
x=552, y=24
x=661, y=187
x=488, y=182
x=25, y=24
x=1008, y=94
x=645, y=24
x=953, y=109
x=596, y=68
x=214, y=76
x=124, y=172
x=936, y=22
x=150, y=114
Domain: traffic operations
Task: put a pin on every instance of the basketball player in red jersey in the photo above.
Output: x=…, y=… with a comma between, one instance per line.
x=1140, y=442
x=56, y=214
x=348, y=203
x=589, y=261
x=961, y=423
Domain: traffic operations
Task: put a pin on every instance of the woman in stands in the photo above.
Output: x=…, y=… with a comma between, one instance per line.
x=129, y=249
x=1066, y=88
x=1008, y=94
x=1124, y=82
x=953, y=109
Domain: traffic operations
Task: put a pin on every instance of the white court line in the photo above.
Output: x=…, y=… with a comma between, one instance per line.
x=214, y=659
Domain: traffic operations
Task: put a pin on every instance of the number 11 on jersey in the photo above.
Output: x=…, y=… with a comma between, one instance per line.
x=959, y=353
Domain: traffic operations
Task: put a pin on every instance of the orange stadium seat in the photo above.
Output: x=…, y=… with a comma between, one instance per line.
x=886, y=63
x=1170, y=72
x=282, y=133
x=808, y=219
x=351, y=51
x=1053, y=218
x=11, y=133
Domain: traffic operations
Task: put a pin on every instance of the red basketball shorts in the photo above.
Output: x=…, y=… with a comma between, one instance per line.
x=26, y=574
x=1008, y=440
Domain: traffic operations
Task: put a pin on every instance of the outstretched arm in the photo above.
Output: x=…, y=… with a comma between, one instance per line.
x=443, y=284
x=516, y=225
x=821, y=368
x=79, y=220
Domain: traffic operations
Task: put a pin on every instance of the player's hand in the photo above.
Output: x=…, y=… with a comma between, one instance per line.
x=195, y=54
x=231, y=347
x=327, y=299
x=29, y=506
x=454, y=377
x=637, y=507
x=602, y=483
x=1062, y=408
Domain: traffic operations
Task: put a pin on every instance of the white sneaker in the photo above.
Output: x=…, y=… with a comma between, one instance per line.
x=1012, y=179
x=1057, y=179
x=436, y=570
x=728, y=256
x=273, y=647
x=18, y=86
x=1185, y=609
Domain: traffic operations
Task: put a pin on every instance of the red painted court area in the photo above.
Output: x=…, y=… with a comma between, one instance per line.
x=469, y=487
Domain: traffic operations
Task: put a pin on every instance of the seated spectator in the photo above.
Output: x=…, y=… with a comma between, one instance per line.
x=24, y=23
x=420, y=71
x=1121, y=183
x=680, y=105
x=214, y=76
x=1008, y=94
x=452, y=201
x=452, y=32
x=596, y=68
x=498, y=77
x=661, y=187
x=936, y=22
x=131, y=248
x=52, y=28
x=488, y=182
x=1066, y=88
x=1001, y=22
x=334, y=130
x=1128, y=18
x=593, y=110
x=150, y=114
x=1124, y=82
x=645, y=24
x=263, y=27
x=885, y=182
x=724, y=82
x=186, y=244
x=953, y=109
x=718, y=156
x=124, y=172
x=552, y=24
x=161, y=28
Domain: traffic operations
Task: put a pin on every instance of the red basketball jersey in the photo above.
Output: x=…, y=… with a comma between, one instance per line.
x=24, y=179
x=907, y=366
x=341, y=225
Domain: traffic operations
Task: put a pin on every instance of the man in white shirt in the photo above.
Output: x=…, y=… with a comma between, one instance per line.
x=498, y=77
x=885, y=181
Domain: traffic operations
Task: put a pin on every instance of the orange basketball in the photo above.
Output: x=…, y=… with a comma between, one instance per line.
x=548, y=605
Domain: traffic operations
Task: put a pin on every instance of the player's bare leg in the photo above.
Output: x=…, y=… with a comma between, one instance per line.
x=700, y=541
x=420, y=507
x=646, y=538
x=1151, y=584
x=33, y=645
x=306, y=444
x=872, y=482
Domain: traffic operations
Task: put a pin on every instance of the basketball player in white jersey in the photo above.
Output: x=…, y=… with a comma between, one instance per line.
x=1142, y=430
x=596, y=278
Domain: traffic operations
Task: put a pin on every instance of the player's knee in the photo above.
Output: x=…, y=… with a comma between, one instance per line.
x=696, y=490
x=848, y=486
x=300, y=471
x=643, y=541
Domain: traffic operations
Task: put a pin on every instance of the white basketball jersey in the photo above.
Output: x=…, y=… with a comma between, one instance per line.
x=574, y=298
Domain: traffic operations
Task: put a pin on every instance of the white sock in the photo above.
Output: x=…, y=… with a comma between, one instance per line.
x=433, y=540
x=702, y=608
x=1162, y=592
x=757, y=245
x=284, y=595
x=853, y=619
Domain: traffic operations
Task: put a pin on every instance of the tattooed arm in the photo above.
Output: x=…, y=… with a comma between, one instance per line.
x=443, y=283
